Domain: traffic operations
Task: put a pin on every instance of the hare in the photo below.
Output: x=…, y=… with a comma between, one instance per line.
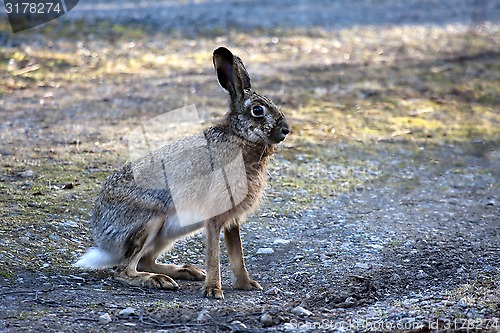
x=132, y=225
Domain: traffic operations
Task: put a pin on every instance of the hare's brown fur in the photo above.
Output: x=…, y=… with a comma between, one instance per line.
x=133, y=225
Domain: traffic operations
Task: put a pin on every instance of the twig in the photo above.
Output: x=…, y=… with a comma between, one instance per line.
x=394, y=134
x=26, y=291
x=421, y=111
x=86, y=319
x=153, y=322
x=28, y=69
x=399, y=133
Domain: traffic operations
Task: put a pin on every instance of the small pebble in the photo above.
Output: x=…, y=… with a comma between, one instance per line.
x=421, y=275
x=265, y=250
x=70, y=224
x=105, y=319
x=288, y=326
x=407, y=320
x=54, y=237
x=281, y=241
x=462, y=303
x=272, y=291
x=127, y=312
x=203, y=316
x=350, y=301
x=238, y=325
x=266, y=320
x=395, y=277
x=300, y=311
x=27, y=173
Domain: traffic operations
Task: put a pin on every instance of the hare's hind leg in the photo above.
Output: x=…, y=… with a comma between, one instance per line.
x=139, y=243
x=183, y=272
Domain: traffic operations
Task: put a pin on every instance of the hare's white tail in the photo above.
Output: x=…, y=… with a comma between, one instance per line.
x=96, y=258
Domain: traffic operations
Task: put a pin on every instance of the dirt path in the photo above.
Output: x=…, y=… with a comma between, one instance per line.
x=383, y=207
x=418, y=249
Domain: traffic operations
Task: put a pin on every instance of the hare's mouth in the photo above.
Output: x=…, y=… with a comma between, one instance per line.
x=279, y=133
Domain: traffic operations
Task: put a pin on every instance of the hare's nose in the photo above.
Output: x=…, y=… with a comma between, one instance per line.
x=285, y=130
x=280, y=131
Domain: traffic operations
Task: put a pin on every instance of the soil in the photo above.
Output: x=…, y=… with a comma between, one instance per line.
x=383, y=206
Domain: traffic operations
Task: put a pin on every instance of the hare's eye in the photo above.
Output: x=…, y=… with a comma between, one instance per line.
x=258, y=111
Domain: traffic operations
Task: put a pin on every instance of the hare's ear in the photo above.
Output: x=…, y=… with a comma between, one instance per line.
x=243, y=74
x=231, y=73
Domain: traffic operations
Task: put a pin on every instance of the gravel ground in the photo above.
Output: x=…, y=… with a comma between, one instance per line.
x=406, y=237
x=417, y=252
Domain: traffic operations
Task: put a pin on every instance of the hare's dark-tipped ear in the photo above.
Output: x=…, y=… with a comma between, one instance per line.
x=231, y=73
x=245, y=78
x=223, y=63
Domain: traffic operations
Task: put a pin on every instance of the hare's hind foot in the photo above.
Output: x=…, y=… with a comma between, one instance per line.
x=184, y=272
x=188, y=272
x=147, y=280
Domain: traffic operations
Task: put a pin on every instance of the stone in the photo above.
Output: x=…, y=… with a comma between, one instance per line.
x=362, y=265
x=104, y=319
x=272, y=291
x=265, y=250
x=27, y=173
x=281, y=241
x=350, y=301
x=70, y=224
x=300, y=311
x=127, y=312
x=203, y=316
x=266, y=320
x=421, y=275
x=288, y=327
x=238, y=325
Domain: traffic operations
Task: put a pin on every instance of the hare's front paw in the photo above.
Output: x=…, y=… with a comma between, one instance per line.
x=247, y=284
x=213, y=292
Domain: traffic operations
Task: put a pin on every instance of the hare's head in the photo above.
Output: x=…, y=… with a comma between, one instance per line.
x=252, y=117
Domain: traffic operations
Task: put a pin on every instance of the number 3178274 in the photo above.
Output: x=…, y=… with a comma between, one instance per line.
x=33, y=7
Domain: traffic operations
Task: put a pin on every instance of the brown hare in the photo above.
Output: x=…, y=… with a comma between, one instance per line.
x=133, y=224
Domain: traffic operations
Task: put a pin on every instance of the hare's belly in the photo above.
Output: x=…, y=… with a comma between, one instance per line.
x=202, y=198
x=175, y=227
x=220, y=202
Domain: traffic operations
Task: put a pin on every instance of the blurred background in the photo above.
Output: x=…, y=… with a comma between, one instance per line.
x=366, y=70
